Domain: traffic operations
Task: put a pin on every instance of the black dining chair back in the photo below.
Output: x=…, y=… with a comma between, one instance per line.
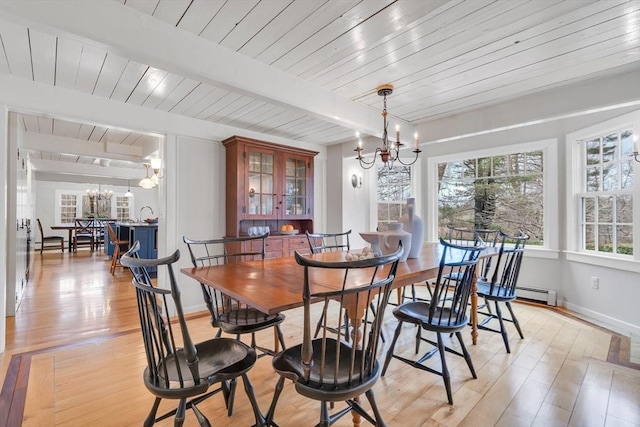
x=49, y=242
x=328, y=242
x=329, y=369
x=444, y=314
x=501, y=287
x=228, y=314
x=470, y=236
x=83, y=233
x=177, y=367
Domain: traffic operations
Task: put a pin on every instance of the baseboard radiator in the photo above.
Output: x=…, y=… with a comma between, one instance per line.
x=539, y=295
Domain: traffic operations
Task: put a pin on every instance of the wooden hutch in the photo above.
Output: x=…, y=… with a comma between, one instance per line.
x=269, y=185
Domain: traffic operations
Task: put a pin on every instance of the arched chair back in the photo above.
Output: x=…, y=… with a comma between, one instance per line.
x=445, y=313
x=228, y=314
x=328, y=368
x=328, y=242
x=177, y=367
x=501, y=286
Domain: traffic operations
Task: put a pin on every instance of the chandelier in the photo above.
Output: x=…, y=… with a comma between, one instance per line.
x=390, y=151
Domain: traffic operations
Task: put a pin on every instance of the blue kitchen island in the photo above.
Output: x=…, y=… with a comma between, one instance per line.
x=146, y=234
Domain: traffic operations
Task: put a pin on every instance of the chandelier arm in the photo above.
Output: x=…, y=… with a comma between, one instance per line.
x=410, y=163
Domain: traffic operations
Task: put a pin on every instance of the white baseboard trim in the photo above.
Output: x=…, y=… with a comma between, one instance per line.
x=602, y=320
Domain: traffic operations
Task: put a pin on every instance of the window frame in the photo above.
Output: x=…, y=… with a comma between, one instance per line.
x=575, y=170
x=79, y=194
x=549, y=148
x=415, y=171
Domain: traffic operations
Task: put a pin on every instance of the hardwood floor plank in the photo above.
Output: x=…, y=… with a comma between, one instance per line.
x=40, y=401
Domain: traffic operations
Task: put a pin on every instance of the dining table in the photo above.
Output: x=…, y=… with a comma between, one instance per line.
x=275, y=285
x=70, y=229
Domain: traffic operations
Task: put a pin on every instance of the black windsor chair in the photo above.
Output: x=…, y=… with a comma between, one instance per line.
x=501, y=287
x=446, y=313
x=184, y=373
x=329, y=369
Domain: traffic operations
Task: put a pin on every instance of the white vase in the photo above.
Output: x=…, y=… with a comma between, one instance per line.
x=414, y=225
x=389, y=240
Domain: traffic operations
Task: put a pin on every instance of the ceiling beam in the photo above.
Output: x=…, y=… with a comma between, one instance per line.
x=89, y=170
x=153, y=42
x=66, y=145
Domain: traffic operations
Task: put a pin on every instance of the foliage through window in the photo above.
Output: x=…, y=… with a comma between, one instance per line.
x=393, y=189
x=606, y=201
x=503, y=191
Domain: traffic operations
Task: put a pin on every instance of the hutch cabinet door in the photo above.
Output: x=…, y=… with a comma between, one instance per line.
x=261, y=183
x=296, y=191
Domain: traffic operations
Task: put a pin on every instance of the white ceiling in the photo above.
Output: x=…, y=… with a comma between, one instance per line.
x=301, y=70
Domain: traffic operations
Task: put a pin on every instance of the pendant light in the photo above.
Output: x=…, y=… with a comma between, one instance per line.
x=146, y=181
x=128, y=193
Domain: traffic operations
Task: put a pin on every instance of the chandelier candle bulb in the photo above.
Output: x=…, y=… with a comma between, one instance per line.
x=415, y=136
x=398, y=134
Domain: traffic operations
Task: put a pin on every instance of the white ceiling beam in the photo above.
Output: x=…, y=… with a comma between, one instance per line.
x=89, y=170
x=25, y=96
x=152, y=42
x=66, y=145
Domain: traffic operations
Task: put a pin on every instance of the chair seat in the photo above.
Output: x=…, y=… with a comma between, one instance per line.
x=52, y=238
x=289, y=364
x=248, y=320
x=219, y=359
x=417, y=312
x=498, y=293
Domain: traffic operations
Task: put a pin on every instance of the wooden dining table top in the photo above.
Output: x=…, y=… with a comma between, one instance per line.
x=275, y=285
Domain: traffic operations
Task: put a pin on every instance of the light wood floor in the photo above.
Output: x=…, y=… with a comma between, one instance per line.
x=74, y=358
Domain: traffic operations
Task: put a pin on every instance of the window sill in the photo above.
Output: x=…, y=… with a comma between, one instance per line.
x=604, y=261
x=540, y=252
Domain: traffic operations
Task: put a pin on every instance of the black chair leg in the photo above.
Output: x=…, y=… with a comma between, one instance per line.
x=391, y=347
x=202, y=420
x=280, y=337
x=503, y=329
x=151, y=418
x=274, y=401
x=466, y=354
x=180, y=413
x=445, y=371
x=232, y=394
x=374, y=407
x=325, y=421
x=514, y=319
x=248, y=388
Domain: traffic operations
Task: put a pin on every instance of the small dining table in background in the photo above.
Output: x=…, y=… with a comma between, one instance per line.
x=70, y=229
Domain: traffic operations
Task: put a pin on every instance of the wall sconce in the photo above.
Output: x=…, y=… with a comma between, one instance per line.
x=156, y=165
x=356, y=181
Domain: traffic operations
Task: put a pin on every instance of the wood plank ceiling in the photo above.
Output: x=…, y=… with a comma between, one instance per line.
x=444, y=57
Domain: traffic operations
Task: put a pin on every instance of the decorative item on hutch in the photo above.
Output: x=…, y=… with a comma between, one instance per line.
x=414, y=225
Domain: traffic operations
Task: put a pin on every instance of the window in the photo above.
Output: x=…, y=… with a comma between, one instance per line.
x=123, y=208
x=393, y=189
x=503, y=191
x=72, y=204
x=68, y=207
x=513, y=186
x=606, y=200
x=602, y=212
